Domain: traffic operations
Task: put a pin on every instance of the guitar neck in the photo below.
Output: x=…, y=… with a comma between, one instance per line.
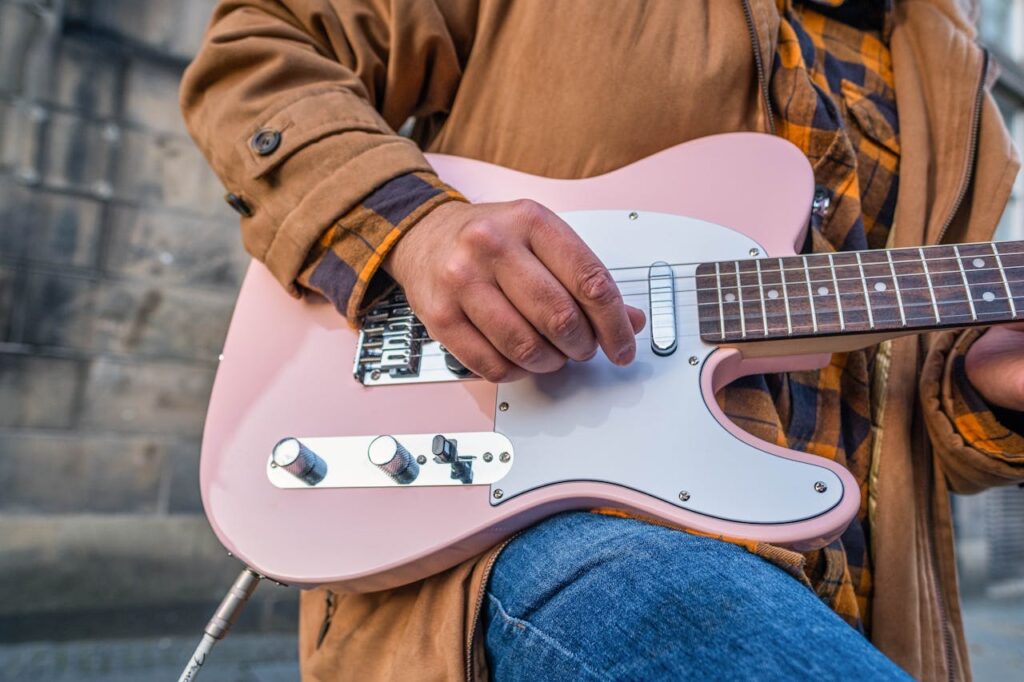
x=880, y=292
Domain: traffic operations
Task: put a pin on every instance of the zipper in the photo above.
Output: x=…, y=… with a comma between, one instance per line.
x=478, y=608
x=972, y=147
x=965, y=182
x=762, y=77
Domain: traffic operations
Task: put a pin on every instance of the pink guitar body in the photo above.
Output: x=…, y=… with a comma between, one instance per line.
x=589, y=436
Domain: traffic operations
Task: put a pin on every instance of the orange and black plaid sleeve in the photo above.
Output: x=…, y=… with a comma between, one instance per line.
x=344, y=264
x=989, y=429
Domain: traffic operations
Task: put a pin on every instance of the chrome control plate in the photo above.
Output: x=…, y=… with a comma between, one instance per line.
x=349, y=466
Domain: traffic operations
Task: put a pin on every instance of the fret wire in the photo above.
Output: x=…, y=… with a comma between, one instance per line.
x=785, y=297
x=739, y=294
x=1006, y=282
x=721, y=304
x=967, y=285
x=931, y=288
x=867, y=297
x=760, y=287
x=839, y=300
x=810, y=296
x=896, y=284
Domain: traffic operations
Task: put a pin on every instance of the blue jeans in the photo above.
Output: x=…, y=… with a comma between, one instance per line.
x=583, y=596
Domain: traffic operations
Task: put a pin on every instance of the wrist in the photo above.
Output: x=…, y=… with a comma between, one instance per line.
x=402, y=260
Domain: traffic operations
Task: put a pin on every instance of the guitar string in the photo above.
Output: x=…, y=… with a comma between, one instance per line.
x=914, y=249
x=827, y=296
x=780, y=333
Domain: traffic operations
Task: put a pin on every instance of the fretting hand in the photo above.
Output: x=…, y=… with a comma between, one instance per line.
x=509, y=288
x=995, y=366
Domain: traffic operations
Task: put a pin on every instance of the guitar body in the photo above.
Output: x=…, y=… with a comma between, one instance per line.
x=649, y=439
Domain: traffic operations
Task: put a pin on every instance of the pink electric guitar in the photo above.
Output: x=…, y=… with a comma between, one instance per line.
x=370, y=459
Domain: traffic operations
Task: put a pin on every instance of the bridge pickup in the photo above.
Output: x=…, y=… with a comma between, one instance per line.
x=661, y=288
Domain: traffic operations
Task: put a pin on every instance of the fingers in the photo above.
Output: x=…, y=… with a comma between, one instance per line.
x=546, y=305
x=637, y=318
x=474, y=351
x=585, y=278
x=509, y=332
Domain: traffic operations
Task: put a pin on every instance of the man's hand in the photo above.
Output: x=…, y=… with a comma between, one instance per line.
x=995, y=366
x=509, y=288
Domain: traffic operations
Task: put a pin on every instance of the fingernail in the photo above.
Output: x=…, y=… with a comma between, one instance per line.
x=626, y=356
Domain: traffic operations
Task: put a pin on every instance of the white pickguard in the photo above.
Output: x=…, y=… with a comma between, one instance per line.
x=646, y=426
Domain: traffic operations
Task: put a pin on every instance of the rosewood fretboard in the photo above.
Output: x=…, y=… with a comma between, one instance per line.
x=861, y=292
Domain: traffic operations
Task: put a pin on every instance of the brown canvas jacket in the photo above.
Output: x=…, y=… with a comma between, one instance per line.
x=571, y=88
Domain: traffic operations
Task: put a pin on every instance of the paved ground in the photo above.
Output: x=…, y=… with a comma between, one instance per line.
x=995, y=632
x=239, y=658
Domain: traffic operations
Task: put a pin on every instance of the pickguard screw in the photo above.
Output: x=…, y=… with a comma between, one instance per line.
x=633, y=215
x=684, y=496
x=488, y=457
x=273, y=465
x=504, y=457
x=422, y=459
x=503, y=407
x=375, y=374
x=754, y=253
x=498, y=494
x=820, y=487
x=694, y=360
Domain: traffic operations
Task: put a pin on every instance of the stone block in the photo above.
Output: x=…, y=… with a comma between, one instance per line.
x=58, y=310
x=181, y=479
x=174, y=27
x=7, y=283
x=175, y=248
x=46, y=473
x=166, y=398
x=80, y=154
x=62, y=564
x=139, y=318
x=167, y=170
x=151, y=97
x=38, y=392
x=49, y=227
x=87, y=79
x=21, y=135
x=23, y=46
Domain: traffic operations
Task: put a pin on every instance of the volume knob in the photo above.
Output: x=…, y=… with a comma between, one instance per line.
x=298, y=460
x=391, y=457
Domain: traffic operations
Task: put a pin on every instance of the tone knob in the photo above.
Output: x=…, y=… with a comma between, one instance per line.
x=391, y=457
x=298, y=460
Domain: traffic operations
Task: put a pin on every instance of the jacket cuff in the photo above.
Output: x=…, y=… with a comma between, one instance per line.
x=344, y=264
x=978, y=450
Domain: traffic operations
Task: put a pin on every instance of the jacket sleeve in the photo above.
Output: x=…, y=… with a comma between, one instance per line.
x=295, y=105
x=978, y=448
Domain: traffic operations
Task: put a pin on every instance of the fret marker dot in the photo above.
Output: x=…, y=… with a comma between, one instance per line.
x=988, y=297
x=773, y=294
x=880, y=286
x=729, y=298
x=823, y=291
x=978, y=262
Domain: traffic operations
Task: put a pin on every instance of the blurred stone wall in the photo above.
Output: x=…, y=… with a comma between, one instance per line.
x=119, y=264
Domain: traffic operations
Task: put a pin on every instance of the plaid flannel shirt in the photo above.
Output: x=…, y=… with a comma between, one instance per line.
x=832, y=93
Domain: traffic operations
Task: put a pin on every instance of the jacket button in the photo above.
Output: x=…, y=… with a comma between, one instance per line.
x=265, y=141
x=239, y=204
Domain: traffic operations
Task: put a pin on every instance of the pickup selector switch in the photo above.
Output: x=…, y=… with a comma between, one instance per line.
x=391, y=457
x=298, y=460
